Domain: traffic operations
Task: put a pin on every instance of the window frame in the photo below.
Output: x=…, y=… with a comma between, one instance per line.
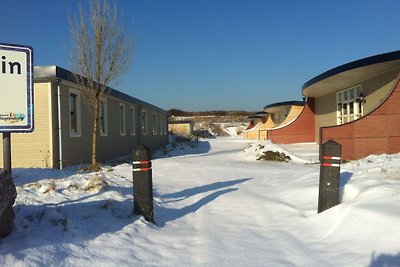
x=350, y=105
x=104, y=105
x=155, y=122
x=133, y=120
x=78, y=113
x=144, y=122
x=161, y=123
x=122, y=119
x=164, y=121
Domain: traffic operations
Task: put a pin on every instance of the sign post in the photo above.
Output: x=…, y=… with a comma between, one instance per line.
x=16, y=115
x=16, y=94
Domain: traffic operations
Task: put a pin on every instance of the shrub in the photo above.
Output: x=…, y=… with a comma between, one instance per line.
x=274, y=156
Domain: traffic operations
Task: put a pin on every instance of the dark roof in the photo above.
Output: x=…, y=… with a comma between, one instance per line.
x=381, y=58
x=262, y=114
x=60, y=73
x=253, y=117
x=259, y=114
x=286, y=103
x=180, y=122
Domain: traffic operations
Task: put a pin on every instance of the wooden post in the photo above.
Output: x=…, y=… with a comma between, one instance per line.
x=142, y=183
x=329, y=180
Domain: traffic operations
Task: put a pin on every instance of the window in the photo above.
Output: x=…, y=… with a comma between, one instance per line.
x=74, y=113
x=161, y=118
x=349, y=104
x=122, y=119
x=164, y=124
x=144, y=122
x=155, y=123
x=103, y=118
x=133, y=121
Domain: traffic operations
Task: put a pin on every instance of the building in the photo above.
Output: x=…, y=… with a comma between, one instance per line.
x=285, y=122
x=358, y=105
x=258, y=124
x=296, y=122
x=283, y=113
x=184, y=128
x=62, y=134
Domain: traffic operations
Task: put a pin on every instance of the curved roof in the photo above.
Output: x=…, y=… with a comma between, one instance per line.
x=350, y=74
x=260, y=114
x=281, y=105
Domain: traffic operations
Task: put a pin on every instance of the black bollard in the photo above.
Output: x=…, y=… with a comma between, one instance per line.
x=7, y=152
x=329, y=180
x=142, y=183
x=8, y=193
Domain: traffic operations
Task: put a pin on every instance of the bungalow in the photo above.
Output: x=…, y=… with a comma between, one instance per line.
x=295, y=122
x=259, y=123
x=283, y=113
x=185, y=128
x=358, y=105
x=285, y=123
x=62, y=122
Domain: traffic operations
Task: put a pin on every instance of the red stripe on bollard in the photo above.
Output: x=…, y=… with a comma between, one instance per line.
x=141, y=162
x=330, y=165
x=331, y=157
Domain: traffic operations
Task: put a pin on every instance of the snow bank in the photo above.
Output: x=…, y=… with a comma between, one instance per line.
x=256, y=149
x=212, y=208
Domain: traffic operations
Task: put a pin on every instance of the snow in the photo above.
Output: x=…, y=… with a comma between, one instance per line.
x=215, y=205
x=232, y=130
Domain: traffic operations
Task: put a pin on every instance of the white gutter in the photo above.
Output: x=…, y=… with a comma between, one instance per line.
x=140, y=125
x=60, y=160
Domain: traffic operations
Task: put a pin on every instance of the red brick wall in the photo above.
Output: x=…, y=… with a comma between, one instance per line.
x=301, y=130
x=376, y=133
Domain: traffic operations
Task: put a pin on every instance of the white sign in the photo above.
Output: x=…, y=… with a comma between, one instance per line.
x=16, y=88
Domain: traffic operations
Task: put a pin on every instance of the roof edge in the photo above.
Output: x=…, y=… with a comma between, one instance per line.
x=380, y=58
x=64, y=74
x=285, y=103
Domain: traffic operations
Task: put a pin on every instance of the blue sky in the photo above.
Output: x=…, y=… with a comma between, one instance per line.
x=219, y=54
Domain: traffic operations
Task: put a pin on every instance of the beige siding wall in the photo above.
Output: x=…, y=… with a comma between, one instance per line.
x=41, y=148
x=294, y=112
x=77, y=149
x=54, y=124
x=159, y=138
x=180, y=128
x=116, y=144
x=325, y=110
x=375, y=91
x=34, y=149
x=279, y=117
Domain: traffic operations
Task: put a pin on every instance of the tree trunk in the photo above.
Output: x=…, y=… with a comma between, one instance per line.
x=95, y=130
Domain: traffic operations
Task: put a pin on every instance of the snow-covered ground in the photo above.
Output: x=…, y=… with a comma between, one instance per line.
x=215, y=205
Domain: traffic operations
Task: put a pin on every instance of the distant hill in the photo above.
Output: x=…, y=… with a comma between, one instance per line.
x=182, y=113
x=215, y=122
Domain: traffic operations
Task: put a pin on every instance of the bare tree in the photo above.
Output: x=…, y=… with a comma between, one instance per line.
x=101, y=51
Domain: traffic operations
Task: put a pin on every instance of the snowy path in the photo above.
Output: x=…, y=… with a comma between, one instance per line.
x=214, y=206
